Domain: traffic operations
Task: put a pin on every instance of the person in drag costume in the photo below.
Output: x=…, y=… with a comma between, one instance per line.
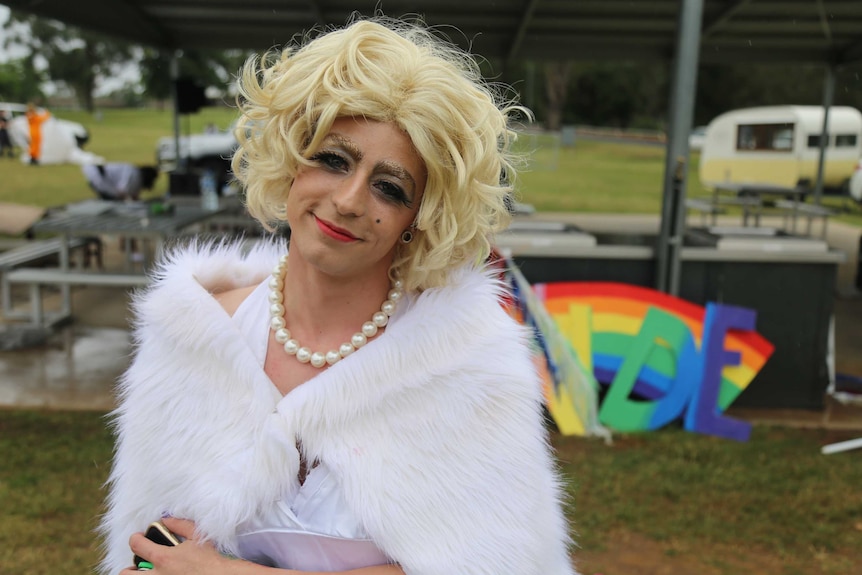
x=362, y=402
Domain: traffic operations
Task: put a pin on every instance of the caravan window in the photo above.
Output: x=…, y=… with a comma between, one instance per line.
x=845, y=141
x=841, y=140
x=814, y=140
x=778, y=137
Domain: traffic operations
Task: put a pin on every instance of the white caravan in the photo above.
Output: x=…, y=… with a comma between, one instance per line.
x=780, y=146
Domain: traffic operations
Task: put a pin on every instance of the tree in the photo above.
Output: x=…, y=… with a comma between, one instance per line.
x=727, y=87
x=156, y=75
x=210, y=68
x=73, y=57
x=20, y=81
x=620, y=94
x=80, y=68
x=556, y=90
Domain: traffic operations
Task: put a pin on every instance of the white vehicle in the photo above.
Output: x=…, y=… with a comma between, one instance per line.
x=855, y=187
x=696, y=138
x=780, y=146
x=62, y=140
x=208, y=150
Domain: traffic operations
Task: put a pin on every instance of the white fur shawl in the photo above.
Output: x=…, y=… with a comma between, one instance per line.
x=434, y=428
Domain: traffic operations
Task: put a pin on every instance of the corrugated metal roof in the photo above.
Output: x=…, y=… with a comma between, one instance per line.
x=825, y=31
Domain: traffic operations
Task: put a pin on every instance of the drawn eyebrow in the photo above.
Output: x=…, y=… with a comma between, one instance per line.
x=398, y=171
x=345, y=143
x=386, y=166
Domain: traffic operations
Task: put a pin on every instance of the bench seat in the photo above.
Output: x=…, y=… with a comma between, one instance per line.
x=57, y=276
x=38, y=277
x=806, y=209
x=37, y=249
x=795, y=210
x=32, y=251
x=706, y=207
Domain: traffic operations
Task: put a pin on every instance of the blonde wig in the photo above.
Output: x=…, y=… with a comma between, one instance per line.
x=387, y=71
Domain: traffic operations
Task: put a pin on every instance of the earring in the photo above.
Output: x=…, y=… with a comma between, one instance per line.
x=406, y=236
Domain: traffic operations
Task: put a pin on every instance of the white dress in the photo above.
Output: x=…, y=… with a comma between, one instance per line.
x=316, y=531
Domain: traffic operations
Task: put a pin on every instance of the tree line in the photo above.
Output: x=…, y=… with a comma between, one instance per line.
x=636, y=95
x=79, y=60
x=620, y=94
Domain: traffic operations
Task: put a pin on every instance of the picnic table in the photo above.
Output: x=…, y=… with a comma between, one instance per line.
x=130, y=221
x=755, y=198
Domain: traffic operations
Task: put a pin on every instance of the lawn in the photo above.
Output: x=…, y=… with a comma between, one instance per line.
x=116, y=135
x=682, y=503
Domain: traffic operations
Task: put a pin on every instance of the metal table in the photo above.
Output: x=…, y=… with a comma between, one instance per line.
x=126, y=220
x=93, y=218
x=751, y=197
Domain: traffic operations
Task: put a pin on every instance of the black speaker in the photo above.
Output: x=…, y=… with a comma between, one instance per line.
x=191, y=96
x=184, y=184
x=859, y=266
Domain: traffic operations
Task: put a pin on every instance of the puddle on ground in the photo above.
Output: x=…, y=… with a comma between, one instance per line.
x=74, y=369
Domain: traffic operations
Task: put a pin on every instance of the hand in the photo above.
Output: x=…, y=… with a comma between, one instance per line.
x=191, y=557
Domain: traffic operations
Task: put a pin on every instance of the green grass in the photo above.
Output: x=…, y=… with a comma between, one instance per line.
x=595, y=177
x=52, y=466
x=118, y=136
x=590, y=176
x=728, y=506
x=775, y=495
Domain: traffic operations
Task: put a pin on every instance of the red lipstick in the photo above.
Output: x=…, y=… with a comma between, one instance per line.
x=334, y=232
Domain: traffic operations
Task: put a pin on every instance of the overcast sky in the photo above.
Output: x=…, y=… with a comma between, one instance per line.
x=4, y=15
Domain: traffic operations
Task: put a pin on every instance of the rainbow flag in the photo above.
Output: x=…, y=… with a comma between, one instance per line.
x=571, y=391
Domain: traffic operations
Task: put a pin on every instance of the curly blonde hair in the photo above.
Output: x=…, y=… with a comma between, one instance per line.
x=388, y=71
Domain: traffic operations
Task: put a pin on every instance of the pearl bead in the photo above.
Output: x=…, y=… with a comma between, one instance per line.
x=318, y=359
x=369, y=329
x=358, y=340
x=291, y=346
x=303, y=355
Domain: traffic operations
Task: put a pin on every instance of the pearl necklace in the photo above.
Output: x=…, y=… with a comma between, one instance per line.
x=316, y=358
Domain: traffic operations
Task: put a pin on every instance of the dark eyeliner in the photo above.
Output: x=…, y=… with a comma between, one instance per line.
x=395, y=193
x=329, y=159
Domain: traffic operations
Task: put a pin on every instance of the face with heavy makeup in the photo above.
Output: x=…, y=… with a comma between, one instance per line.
x=348, y=210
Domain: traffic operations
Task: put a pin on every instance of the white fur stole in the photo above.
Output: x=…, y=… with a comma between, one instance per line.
x=434, y=428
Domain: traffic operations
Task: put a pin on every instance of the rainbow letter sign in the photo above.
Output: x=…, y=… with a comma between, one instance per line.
x=663, y=358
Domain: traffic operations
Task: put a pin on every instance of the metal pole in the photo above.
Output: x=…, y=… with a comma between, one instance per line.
x=65, y=289
x=828, y=96
x=841, y=446
x=667, y=207
x=680, y=117
x=179, y=167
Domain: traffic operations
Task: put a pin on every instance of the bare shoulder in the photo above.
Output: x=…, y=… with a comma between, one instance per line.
x=230, y=300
